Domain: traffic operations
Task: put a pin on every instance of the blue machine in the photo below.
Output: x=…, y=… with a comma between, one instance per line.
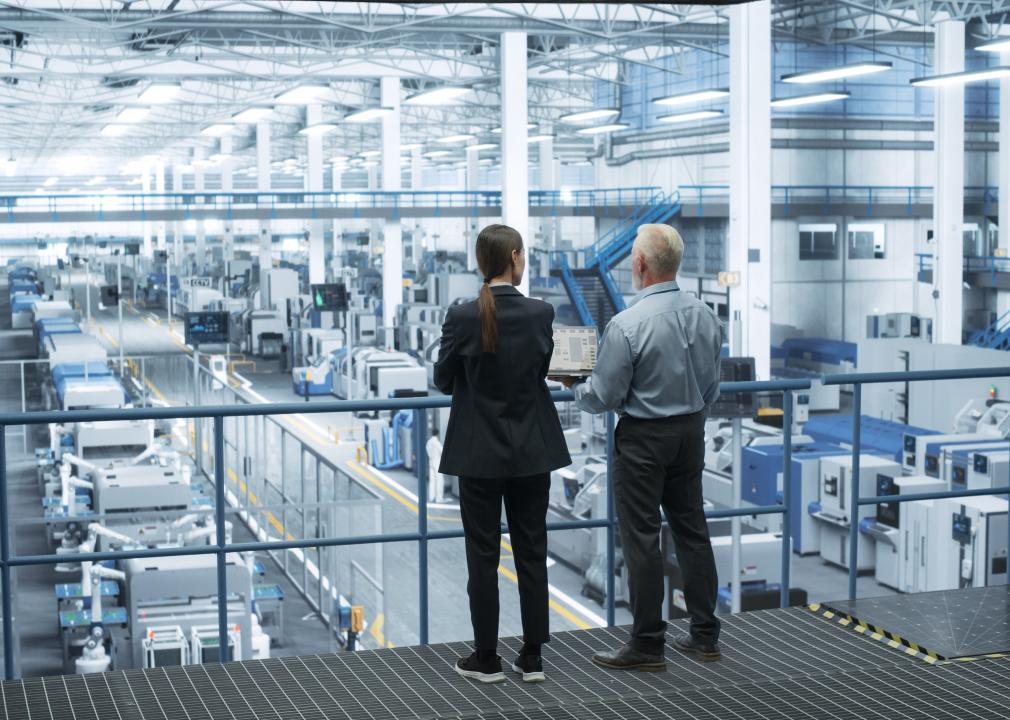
x=53, y=326
x=316, y=379
x=761, y=476
x=92, y=376
x=819, y=350
x=933, y=463
x=877, y=437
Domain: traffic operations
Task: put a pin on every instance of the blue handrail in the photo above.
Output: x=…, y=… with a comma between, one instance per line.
x=420, y=405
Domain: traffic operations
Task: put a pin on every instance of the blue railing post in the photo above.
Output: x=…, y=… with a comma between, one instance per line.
x=422, y=542
x=5, y=569
x=857, y=397
x=222, y=566
x=611, y=522
x=787, y=485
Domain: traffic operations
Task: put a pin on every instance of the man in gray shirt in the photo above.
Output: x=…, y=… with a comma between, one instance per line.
x=658, y=366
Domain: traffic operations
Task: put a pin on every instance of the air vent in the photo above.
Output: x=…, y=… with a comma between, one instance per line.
x=119, y=82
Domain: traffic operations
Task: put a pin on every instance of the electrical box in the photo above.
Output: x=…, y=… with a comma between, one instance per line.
x=971, y=543
x=890, y=530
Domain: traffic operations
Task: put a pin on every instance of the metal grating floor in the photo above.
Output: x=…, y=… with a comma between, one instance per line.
x=778, y=663
x=947, y=623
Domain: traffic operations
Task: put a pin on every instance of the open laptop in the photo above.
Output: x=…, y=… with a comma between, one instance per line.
x=574, y=351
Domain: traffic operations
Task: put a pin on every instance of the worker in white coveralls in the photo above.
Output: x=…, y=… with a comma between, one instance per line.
x=436, y=480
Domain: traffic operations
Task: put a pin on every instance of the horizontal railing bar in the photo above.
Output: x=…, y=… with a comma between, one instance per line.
x=880, y=499
x=913, y=376
x=744, y=512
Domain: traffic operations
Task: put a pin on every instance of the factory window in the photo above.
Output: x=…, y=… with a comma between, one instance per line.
x=817, y=242
x=866, y=242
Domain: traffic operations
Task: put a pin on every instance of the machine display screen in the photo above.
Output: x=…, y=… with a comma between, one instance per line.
x=206, y=328
x=909, y=442
x=933, y=465
x=959, y=477
x=980, y=463
x=331, y=296
x=887, y=513
x=831, y=485
x=961, y=529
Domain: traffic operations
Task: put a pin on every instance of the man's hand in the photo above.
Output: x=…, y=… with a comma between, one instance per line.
x=568, y=381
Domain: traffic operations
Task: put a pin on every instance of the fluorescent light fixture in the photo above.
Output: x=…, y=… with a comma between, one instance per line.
x=538, y=138
x=370, y=153
x=485, y=161
x=437, y=96
x=304, y=95
x=456, y=138
x=218, y=129
x=811, y=99
x=409, y=147
x=218, y=157
x=836, y=73
x=693, y=97
x=437, y=153
x=592, y=115
x=113, y=130
x=600, y=129
x=290, y=244
x=961, y=78
x=252, y=115
x=367, y=114
x=50, y=182
x=481, y=146
x=317, y=129
x=339, y=159
x=369, y=163
x=690, y=116
x=132, y=114
x=997, y=44
x=160, y=93
x=529, y=126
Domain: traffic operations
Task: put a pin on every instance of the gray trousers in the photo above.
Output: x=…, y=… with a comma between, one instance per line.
x=659, y=463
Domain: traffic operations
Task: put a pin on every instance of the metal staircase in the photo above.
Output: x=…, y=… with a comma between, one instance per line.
x=994, y=337
x=591, y=287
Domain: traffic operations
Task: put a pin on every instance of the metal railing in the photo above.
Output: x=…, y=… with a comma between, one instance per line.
x=828, y=196
x=225, y=202
x=422, y=535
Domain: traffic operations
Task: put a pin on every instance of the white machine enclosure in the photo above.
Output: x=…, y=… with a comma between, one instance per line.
x=954, y=458
x=74, y=348
x=990, y=468
x=971, y=543
x=897, y=549
x=141, y=487
x=914, y=454
x=835, y=514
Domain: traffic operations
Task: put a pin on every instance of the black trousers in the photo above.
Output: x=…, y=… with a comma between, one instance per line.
x=526, y=511
x=659, y=463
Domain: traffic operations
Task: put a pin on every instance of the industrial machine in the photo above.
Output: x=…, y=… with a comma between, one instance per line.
x=762, y=485
x=899, y=325
x=923, y=453
x=897, y=536
x=970, y=543
x=956, y=461
x=885, y=438
x=989, y=468
x=377, y=374
x=834, y=513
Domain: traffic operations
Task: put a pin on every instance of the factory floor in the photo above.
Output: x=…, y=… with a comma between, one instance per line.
x=146, y=332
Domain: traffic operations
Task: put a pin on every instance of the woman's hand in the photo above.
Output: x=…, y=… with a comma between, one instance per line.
x=568, y=381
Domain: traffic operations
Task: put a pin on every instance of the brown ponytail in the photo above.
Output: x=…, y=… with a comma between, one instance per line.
x=495, y=245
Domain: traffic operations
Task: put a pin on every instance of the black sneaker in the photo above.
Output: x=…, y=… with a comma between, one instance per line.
x=704, y=651
x=485, y=672
x=531, y=667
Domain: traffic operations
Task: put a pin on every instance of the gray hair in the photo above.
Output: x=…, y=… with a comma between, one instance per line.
x=662, y=247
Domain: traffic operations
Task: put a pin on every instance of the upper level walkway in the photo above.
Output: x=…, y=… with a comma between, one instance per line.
x=252, y=205
x=794, y=663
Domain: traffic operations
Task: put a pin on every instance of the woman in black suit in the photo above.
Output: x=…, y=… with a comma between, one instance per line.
x=503, y=439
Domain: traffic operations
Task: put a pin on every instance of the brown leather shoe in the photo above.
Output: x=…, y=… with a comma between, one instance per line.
x=628, y=658
x=706, y=652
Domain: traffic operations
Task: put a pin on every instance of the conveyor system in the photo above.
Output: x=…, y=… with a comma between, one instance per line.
x=74, y=348
x=878, y=437
x=47, y=327
x=80, y=385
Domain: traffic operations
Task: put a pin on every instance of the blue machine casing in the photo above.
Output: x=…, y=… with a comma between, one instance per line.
x=877, y=437
x=762, y=465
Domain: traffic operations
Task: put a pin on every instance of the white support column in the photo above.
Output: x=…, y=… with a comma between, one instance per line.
x=263, y=185
x=199, y=185
x=314, y=183
x=749, y=242
x=145, y=187
x=416, y=169
x=392, y=255
x=514, y=150
x=227, y=186
x=1003, y=296
x=178, y=243
x=948, y=185
x=159, y=187
x=548, y=181
x=337, y=184
x=472, y=171
x=373, y=224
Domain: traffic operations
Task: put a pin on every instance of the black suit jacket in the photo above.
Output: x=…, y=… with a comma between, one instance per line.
x=502, y=422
